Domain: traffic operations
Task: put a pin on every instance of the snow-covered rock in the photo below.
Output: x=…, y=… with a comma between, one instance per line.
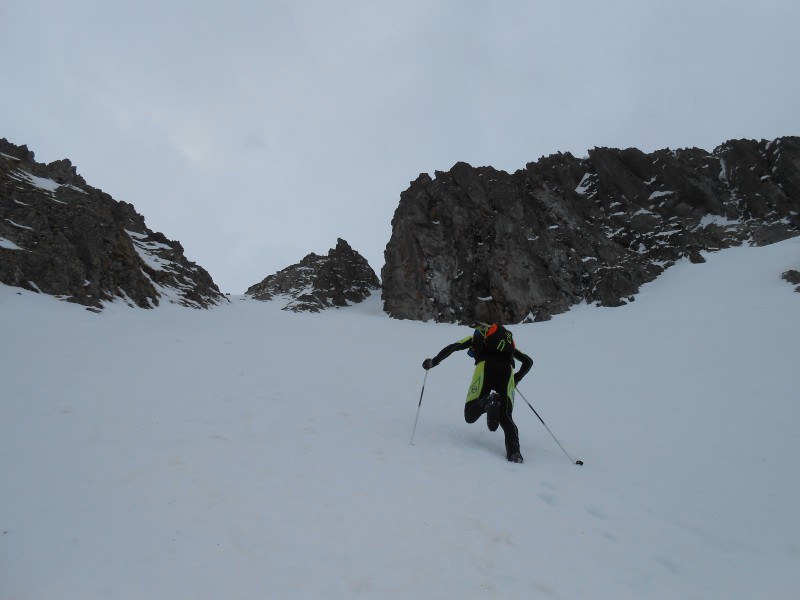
x=340, y=278
x=523, y=239
x=61, y=236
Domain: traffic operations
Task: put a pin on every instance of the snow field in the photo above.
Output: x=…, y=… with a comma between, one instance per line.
x=247, y=452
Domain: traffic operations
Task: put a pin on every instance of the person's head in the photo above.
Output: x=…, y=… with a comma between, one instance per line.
x=481, y=328
x=484, y=328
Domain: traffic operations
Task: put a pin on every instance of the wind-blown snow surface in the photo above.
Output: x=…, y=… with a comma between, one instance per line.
x=244, y=452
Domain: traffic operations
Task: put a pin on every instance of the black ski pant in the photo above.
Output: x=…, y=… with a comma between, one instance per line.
x=496, y=376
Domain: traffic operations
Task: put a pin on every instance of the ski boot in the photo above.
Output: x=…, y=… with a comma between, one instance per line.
x=493, y=411
x=515, y=457
x=513, y=453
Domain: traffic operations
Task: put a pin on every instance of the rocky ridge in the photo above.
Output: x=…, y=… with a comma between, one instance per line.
x=61, y=236
x=341, y=278
x=482, y=244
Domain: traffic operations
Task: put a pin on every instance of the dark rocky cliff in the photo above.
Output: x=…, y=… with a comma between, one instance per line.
x=481, y=244
x=317, y=282
x=61, y=236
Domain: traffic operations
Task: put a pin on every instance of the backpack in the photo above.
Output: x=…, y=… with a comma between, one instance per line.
x=495, y=341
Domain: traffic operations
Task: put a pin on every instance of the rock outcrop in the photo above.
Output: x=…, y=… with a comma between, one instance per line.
x=61, y=236
x=481, y=244
x=793, y=277
x=341, y=278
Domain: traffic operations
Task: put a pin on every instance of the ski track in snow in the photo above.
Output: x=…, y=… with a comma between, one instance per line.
x=247, y=452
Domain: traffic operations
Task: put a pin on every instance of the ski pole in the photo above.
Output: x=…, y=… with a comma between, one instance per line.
x=419, y=406
x=577, y=462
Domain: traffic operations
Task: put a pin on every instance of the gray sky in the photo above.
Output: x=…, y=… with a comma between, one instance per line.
x=255, y=132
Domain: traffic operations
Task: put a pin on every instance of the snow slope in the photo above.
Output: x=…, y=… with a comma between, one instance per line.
x=245, y=452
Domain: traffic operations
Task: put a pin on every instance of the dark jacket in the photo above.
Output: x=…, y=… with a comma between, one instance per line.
x=474, y=343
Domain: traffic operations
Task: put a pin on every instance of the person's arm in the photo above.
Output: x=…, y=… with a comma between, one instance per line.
x=527, y=363
x=447, y=351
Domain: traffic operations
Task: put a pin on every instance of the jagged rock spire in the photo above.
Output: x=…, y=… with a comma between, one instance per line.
x=342, y=277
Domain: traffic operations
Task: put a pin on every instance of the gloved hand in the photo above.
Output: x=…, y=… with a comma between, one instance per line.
x=517, y=379
x=428, y=363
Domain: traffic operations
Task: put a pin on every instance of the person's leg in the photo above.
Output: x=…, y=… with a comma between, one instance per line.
x=507, y=423
x=474, y=409
x=496, y=377
x=476, y=404
x=509, y=428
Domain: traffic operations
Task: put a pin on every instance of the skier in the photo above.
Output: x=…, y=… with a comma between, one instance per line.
x=493, y=382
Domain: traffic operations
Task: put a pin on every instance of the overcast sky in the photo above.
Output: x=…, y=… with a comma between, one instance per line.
x=257, y=131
